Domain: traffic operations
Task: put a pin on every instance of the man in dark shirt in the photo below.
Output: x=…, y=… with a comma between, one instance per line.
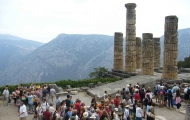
x=68, y=102
x=44, y=93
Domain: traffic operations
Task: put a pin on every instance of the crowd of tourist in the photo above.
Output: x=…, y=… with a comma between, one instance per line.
x=131, y=103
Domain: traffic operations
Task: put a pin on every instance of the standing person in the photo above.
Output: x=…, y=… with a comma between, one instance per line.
x=14, y=96
x=47, y=114
x=22, y=112
x=116, y=101
x=39, y=111
x=138, y=112
x=68, y=101
x=137, y=96
x=30, y=102
x=44, y=93
x=6, y=95
x=105, y=93
x=52, y=93
x=147, y=101
x=186, y=96
x=157, y=92
x=178, y=99
x=57, y=101
x=161, y=96
x=134, y=109
x=170, y=98
x=126, y=113
x=44, y=105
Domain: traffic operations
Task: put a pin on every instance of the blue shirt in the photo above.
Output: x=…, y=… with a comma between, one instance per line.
x=30, y=99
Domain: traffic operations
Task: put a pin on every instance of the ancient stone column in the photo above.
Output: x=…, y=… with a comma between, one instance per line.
x=138, y=53
x=147, y=54
x=130, y=58
x=170, y=69
x=118, y=51
x=157, y=49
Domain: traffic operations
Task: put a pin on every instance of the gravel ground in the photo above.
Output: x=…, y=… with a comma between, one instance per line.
x=10, y=112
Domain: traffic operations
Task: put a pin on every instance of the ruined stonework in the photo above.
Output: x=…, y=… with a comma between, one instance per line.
x=138, y=53
x=147, y=54
x=118, y=51
x=130, y=58
x=157, y=49
x=170, y=69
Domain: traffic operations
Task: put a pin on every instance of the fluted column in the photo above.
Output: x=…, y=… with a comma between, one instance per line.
x=157, y=49
x=130, y=58
x=118, y=51
x=138, y=53
x=147, y=54
x=170, y=69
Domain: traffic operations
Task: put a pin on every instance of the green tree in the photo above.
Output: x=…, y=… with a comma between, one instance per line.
x=98, y=72
x=185, y=63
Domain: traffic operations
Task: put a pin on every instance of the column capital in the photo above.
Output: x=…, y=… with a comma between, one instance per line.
x=130, y=5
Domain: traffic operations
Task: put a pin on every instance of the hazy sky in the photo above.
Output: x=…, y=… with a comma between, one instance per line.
x=43, y=20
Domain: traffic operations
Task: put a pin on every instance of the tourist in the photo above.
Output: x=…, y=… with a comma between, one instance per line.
x=93, y=117
x=115, y=114
x=116, y=101
x=6, y=95
x=170, y=98
x=161, y=96
x=22, y=112
x=157, y=91
x=67, y=101
x=138, y=112
x=44, y=105
x=134, y=109
x=147, y=101
x=30, y=102
x=57, y=101
x=14, y=96
x=178, y=99
x=126, y=115
x=51, y=108
x=18, y=102
x=39, y=111
x=44, y=93
x=52, y=93
x=175, y=88
x=123, y=93
x=186, y=96
x=131, y=102
x=105, y=93
x=137, y=96
x=104, y=116
x=150, y=112
x=47, y=114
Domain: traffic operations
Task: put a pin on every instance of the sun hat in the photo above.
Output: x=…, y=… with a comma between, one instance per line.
x=85, y=114
x=116, y=109
x=127, y=106
x=93, y=116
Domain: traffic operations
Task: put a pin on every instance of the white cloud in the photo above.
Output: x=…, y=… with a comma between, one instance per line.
x=42, y=20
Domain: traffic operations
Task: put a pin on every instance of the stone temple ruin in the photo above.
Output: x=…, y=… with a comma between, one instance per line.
x=144, y=56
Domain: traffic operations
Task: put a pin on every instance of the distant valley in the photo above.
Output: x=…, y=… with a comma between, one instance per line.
x=68, y=56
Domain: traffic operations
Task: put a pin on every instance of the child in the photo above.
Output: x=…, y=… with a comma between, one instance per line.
x=18, y=102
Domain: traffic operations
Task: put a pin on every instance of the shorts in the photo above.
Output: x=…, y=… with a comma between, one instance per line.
x=161, y=97
x=145, y=108
x=165, y=98
x=186, y=97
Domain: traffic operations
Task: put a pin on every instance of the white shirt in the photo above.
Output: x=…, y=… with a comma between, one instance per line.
x=185, y=90
x=6, y=93
x=76, y=117
x=44, y=105
x=39, y=110
x=126, y=114
x=52, y=91
x=138, y=112
x=23, y=109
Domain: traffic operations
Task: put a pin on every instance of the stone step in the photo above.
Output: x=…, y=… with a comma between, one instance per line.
x=119, y=74
x=110, y=75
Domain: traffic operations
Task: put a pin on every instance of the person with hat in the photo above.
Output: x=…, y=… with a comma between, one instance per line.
x=115, y=114
x=126, y=113
x=85, y=115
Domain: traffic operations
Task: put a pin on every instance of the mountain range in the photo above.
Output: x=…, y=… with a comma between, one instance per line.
x=68, y=56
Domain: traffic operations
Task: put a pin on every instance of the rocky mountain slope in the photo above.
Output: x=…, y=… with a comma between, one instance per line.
x=65, y=57
x=68, y=56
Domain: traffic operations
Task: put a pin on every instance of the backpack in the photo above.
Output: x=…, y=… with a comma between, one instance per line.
x=188, y=91
x=162, y=92
x=169, y=93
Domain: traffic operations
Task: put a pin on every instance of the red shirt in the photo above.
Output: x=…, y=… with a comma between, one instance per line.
x=77, y=106
x=137, y=96
x=47, y=115
x=116, y=102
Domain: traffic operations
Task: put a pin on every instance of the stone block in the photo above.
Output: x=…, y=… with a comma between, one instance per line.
x=99, y=84
x=73, y=92
x=62, y=93
x=91, y=85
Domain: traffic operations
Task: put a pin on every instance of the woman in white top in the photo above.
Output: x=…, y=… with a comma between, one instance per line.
x=115, y=114
x=126, y=113
x=39, y=111
x=138, y=112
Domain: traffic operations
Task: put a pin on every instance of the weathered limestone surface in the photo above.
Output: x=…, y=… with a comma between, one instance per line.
x=147, y=54
x=170, y=69
x=157, y=49
x=130, y=58
x=118, y=51
x=138, y=53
